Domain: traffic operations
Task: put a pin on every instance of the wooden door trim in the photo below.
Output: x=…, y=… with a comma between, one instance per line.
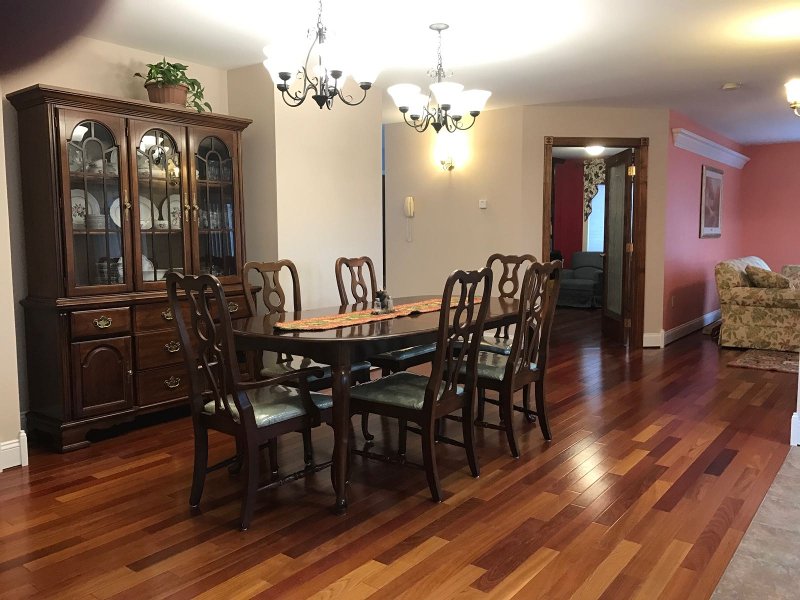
x=639, y=215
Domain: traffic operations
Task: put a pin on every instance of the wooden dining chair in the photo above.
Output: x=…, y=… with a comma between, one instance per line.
x=526, y=362
x=513, y=268
x=256, y=413
x=425, y=400
x=274, y=302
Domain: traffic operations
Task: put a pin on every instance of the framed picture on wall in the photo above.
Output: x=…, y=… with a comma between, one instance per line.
x=711, y=203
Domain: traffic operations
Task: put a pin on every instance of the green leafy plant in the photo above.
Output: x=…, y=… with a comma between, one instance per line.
x=167, y=73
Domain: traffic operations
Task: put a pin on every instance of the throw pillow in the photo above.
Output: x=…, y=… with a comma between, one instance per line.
x=764, y=278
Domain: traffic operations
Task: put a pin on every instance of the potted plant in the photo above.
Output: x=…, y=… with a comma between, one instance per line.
x=167, y=83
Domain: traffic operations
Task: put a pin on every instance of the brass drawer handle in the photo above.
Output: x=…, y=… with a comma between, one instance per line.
x=172, y=346
x=172, y=382
x=233, y=307
x=167, y=315
x=103, y=322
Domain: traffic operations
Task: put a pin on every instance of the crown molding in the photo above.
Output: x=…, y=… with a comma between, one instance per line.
x=697, y=144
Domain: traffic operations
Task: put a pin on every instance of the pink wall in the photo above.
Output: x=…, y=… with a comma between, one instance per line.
x=688, y=260
x=771, y=194
x=568, y=214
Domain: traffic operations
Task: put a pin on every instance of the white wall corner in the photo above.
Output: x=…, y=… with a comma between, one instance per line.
x=14, y=452
x=691, y=326
x=697, y=144
x=794, y=436
x=653, y=340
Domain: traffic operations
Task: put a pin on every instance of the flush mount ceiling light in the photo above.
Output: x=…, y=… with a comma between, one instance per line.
x=793, y=95
x=321, y=76
x=453, y=102
x=594, y=150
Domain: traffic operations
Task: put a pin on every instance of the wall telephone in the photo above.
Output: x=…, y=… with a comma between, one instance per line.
x=408, y=206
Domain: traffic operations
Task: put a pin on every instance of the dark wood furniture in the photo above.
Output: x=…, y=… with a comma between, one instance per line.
x=527, y=362
x=253, y=413
x=508, y=286
x=426, y=400
x=340, y=347
x=117, y=193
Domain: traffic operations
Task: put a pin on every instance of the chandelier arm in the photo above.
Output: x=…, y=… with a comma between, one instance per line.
x=420, y=126
x=344, y=98
x=457, y=124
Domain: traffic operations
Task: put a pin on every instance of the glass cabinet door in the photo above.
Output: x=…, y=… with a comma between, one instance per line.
x=216, y=205
x=95, y=199
x=159, y=192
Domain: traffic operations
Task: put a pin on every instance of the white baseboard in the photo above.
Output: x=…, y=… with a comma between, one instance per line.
x=794, y=436
x=691, y=326
x=653, y=340
x=14, y=453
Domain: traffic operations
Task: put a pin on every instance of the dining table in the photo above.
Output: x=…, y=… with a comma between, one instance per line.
x=342, y=346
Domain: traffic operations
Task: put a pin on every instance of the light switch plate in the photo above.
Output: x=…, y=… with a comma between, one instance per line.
x=482, y=203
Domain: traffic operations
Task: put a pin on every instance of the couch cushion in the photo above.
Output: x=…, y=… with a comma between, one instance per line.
x=578, y=284
x=731, y=273
x=764, y=278
x=587, y=259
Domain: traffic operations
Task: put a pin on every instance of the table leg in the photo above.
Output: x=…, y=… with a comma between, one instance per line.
x=341, y=434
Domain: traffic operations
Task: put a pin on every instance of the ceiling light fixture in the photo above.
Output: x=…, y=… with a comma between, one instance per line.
x=453, y=102
x=793, y=95
x=324, y=84
x=594, y=150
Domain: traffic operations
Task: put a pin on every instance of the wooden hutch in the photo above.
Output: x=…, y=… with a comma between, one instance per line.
x=117, y=193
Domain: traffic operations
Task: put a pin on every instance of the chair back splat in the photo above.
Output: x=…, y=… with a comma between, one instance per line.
x=460, y=334
x=361, y=290
x=535, y=319
x=273, y=295
x=508, y=284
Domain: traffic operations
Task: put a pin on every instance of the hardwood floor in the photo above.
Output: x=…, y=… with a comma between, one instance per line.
x=658, y=464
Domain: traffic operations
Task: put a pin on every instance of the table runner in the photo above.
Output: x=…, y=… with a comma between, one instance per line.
x=362, y=316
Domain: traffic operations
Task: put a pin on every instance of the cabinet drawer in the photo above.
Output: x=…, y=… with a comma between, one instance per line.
x=158, y=349
x=237, y=307
x=152, y=317
x=160, y=385
x=91, y=323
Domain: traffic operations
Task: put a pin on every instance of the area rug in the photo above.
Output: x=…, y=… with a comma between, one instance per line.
x=767, y=360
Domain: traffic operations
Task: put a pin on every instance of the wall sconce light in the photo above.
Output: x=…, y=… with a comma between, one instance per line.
x=793, y=95
x=451, y=150
x=447, y=164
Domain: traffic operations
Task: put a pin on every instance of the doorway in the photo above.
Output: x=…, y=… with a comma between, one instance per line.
x=608, y=233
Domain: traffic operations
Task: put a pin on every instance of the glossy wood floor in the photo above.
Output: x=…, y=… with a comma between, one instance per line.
x=659, y=462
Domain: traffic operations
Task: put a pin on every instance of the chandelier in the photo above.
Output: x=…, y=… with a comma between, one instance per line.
x=453, y=102
x=318, y=78
x=793, y=95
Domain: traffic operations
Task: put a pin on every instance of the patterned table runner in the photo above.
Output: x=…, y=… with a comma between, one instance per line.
x=362, y=316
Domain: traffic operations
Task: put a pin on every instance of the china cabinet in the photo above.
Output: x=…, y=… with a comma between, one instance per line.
x=117, y=193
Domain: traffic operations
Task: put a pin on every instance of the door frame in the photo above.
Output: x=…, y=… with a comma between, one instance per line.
x=641, y=145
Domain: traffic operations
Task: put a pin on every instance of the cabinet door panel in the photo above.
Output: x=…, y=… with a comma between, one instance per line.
x=216, y=203
x=94, y=193
x=101, y=376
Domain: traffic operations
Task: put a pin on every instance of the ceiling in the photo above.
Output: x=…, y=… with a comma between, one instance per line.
x=632, y=53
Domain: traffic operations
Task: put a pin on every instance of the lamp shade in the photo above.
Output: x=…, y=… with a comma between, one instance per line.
x=475, y=100
x=446, y=92
x=274, y=68
x=404, y=94
x=793, y=91
x=418, y=104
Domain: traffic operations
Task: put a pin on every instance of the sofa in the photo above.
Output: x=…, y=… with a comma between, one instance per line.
x=757, y=317
x=582, y=284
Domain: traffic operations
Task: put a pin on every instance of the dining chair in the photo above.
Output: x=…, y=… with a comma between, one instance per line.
x=508, y=287
x=254, y=413
x=526, y=362
x=364, y=289
x=274, y=302
x=426, y=400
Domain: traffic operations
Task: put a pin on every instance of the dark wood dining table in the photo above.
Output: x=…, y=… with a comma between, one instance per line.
x=343, y=346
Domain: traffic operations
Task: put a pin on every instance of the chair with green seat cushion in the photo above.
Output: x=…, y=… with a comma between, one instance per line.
x=526, y=363
x=451, y=384
x=363, y=290
x=254, y=413
x=274, y=301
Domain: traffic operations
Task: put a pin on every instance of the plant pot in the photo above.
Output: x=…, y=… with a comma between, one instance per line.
x=167, y=94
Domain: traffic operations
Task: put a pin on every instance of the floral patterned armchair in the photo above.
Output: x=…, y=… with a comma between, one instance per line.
x=753, y=317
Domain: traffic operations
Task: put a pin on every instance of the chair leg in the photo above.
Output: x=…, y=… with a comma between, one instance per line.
x=429, y=456
x=272, y=447
x=308, y=448
x=468, y=430
x=541, y=411
x=402, y=435
x=250, y=484
x=506, y=416
x=481, y=403
x=365, y=427
x=200, y=464
x=236, y=467
x=530, y=416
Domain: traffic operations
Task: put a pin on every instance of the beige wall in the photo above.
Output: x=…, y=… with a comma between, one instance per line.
x=83, y=64
x=506, y=168
x=328, y=170
x=250, y=95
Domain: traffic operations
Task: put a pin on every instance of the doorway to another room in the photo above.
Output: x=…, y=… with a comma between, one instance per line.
x=595, y=202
